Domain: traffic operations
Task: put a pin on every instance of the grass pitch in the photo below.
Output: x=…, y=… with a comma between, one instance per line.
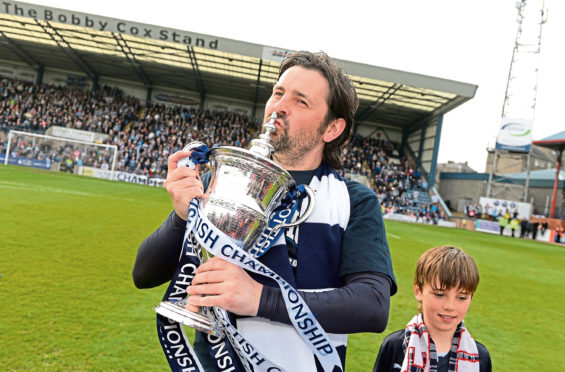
x=68, y=243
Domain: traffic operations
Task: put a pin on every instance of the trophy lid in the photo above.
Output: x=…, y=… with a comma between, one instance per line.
x=262, y=145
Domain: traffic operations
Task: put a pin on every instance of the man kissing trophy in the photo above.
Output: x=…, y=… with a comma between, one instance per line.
x=249, y=201
x=245, y=189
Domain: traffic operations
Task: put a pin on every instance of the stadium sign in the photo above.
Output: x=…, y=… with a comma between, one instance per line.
x=275, y=54
x=100, y=23
x=120, y=176
x=74, y=134
x=176, y=99
x=18, y=160
x=95, y=172
x=500, y=206
x=487, y=226
x=515, y=135
x=137, y=178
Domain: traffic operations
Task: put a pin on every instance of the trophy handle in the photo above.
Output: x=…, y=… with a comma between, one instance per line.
x=307, y=214
x=186, y=162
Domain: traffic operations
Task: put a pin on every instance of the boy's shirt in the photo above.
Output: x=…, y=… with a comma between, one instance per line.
x=443, y=362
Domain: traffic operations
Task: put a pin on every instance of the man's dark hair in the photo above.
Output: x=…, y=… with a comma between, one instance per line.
x=342, y=99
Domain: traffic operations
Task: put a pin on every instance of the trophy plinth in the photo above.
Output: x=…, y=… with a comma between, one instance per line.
x=175, y=311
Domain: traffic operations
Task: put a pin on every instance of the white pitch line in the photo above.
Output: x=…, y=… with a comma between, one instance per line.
x=21, y=186
x=13, y=183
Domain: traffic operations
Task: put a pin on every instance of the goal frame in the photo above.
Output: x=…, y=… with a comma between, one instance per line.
x=12, y=134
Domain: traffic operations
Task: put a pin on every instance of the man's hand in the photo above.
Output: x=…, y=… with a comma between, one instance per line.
x=183, y=184
x=220, y=283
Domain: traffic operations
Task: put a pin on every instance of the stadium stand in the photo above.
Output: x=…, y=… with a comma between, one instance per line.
x=146, y=136
x=222, y=84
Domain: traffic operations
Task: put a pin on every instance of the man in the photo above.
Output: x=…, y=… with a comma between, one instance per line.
x=338, y=259
x=523, y=227
x=535, y=228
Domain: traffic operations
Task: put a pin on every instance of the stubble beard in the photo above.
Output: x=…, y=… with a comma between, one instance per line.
x=291, y=149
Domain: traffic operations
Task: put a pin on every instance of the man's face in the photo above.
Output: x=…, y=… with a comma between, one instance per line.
x=299, y=98
x=443, y=310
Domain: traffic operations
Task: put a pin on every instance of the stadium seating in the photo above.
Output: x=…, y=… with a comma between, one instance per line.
x=146, y=136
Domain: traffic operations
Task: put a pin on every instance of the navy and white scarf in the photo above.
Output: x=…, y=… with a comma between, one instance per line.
x=319, y=244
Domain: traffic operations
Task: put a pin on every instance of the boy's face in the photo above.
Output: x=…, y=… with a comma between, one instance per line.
x=443, y=310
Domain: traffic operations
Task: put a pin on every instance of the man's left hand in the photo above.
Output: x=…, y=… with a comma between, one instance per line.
x=220, y=283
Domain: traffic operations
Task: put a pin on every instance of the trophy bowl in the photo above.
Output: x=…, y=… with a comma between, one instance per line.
x=245, y=188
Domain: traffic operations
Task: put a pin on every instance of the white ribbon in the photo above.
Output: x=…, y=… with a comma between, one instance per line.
x=303, y=320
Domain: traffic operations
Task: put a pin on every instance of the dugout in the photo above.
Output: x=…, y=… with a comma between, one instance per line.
x=171, y=66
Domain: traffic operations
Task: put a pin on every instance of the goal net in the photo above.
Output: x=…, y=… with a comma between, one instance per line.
x=57, y=153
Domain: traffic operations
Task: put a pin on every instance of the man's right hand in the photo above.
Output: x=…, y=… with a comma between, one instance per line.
x=183, y=184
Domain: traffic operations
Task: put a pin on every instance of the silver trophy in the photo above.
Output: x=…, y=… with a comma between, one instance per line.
x=246, y=186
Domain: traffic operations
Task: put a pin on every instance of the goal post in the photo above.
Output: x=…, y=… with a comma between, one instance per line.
x=57, y=153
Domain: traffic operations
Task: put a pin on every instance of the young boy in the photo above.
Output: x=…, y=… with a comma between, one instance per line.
x=436, y=339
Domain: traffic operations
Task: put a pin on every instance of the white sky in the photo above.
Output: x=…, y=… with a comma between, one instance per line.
x=464, y=40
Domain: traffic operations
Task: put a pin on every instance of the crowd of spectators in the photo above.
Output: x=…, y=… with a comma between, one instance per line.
x=488, y=212
x=30, y=107
x=146, y=136
x=394, y=178
x=143, y=148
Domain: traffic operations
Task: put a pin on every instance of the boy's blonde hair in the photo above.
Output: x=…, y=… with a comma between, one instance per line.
x=449, y=266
